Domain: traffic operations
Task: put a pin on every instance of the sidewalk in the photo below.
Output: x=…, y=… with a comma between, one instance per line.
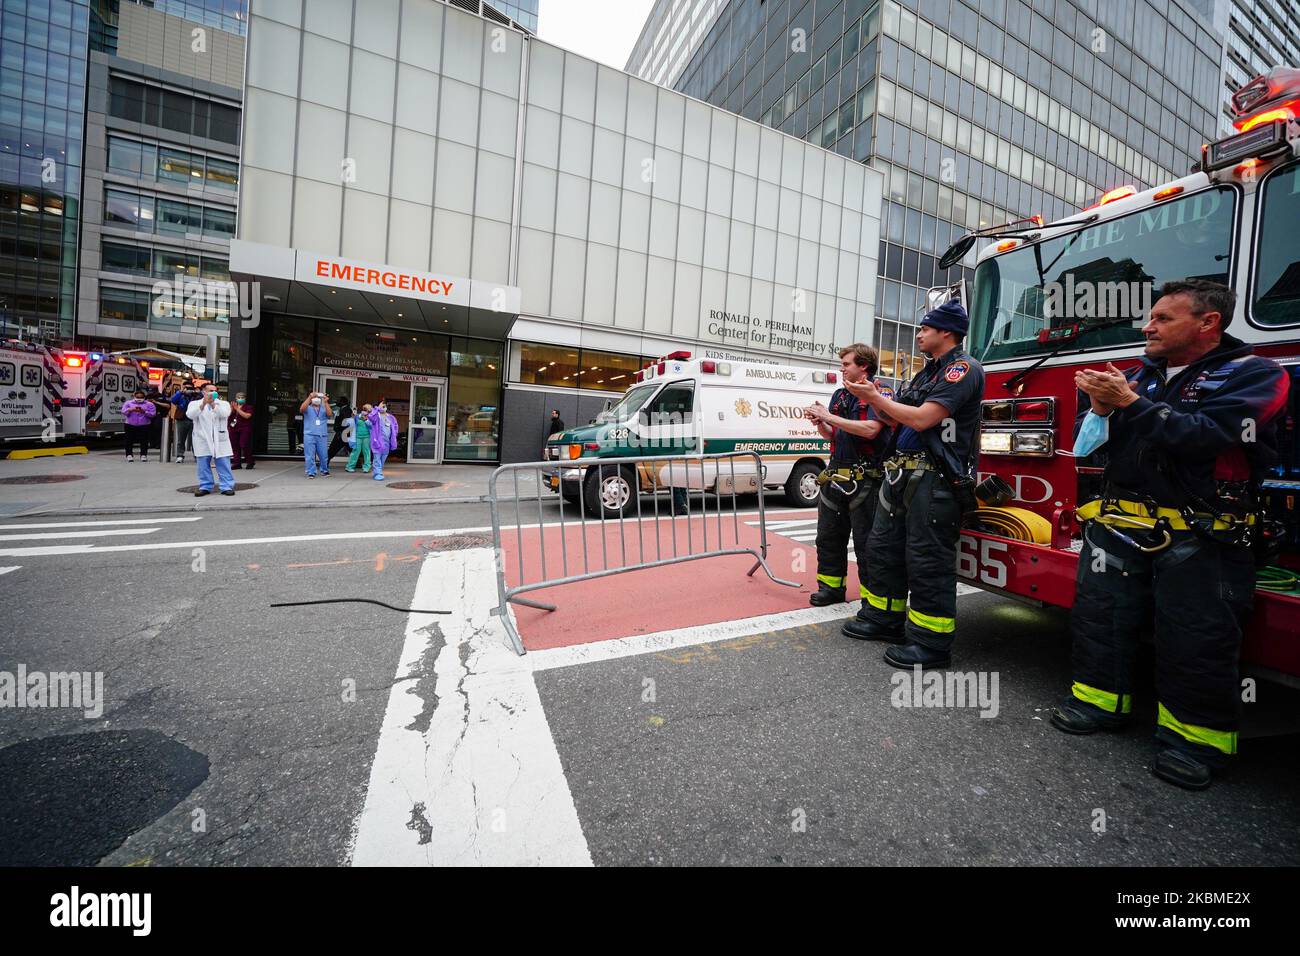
x=105, y=483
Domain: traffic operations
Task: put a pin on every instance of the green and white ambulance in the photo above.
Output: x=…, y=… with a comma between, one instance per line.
x=682, y=407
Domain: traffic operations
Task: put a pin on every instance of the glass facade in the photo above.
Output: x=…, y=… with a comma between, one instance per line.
x=1262, y=34
x=976, y=112
x=43, y=50
x=472, y=367
x=523, y=12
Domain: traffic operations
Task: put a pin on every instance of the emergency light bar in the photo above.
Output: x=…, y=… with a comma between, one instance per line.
x=1254, y=143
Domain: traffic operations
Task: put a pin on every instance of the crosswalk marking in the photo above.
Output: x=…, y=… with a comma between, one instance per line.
x=87, y=524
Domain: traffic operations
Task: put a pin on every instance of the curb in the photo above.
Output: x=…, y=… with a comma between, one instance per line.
x=255, y=506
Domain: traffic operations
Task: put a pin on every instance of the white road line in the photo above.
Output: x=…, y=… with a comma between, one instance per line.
x=7, y=570
x=551, y=658
x=63, y=535
x=480, y=783
x=231, y=542
x=554, y=657
x=81, y=524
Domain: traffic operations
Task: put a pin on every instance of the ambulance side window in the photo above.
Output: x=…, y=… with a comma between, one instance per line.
x=675, y=405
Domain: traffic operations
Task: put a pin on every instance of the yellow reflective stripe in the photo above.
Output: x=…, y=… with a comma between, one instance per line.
x=830, y=581
x=895, y=605
x=931, y=622
x=1224, y=740
x=863, y=592
x=1110, y=703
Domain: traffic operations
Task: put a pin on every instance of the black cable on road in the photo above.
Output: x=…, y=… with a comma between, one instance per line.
x=403, y=610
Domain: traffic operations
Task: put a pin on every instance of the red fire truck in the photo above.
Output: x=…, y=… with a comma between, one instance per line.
x=1237, y=221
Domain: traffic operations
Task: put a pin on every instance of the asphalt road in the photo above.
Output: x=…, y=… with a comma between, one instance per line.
x=237, y=733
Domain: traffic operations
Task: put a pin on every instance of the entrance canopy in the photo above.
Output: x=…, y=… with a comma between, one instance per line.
x=300, y=282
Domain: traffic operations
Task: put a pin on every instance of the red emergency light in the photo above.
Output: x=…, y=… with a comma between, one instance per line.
x=1033, y=412
x=832, y=377
x=678, y=357
x=73, y=361
x=708, y=366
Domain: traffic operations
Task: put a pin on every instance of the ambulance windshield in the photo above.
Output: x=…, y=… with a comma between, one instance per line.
x=627, y=406
x=1106, y=272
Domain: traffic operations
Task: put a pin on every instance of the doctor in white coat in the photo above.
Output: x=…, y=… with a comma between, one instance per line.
x=211, y=441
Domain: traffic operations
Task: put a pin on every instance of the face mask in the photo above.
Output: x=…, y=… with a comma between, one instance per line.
x=315, y=401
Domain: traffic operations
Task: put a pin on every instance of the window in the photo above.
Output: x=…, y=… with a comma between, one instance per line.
x=126, y=156
x=167, y=263
x=117, y=257
x=216, y=268
x=123, y=305
x=608, y=371
x=1276, y=296
x=548, y=365
x=177, y=112
x=222, y=174
x=127, y=209
x=179, y=217
x=179, y=167
x=224, y=123
x=126, y=99
x=675, y=405
x=473, y=401
x=218, y=223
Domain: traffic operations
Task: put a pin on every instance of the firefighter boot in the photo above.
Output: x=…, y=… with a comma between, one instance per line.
x=1181, y=769
x=863, y=630
x=1075, y=716
x=916, y=655
x=825, y=595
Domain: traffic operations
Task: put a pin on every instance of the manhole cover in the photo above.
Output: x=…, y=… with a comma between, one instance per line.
x=239, y=486
x=457, y=542
x=414, y=485
x=40, y=479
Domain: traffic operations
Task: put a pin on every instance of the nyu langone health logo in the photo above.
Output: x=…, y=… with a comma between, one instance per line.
x=194, y=299
x=920, y=688
x=103, y=909
x=82, y=690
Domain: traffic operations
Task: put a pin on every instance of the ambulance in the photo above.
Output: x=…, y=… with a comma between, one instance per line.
x=30, y=392
x=95, y=386
x=682, y=407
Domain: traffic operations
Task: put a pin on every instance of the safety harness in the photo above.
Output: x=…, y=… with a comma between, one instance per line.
x=1234, y=519
x=847, y=484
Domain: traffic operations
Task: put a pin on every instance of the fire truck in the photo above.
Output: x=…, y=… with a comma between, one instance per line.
x=1234, y=221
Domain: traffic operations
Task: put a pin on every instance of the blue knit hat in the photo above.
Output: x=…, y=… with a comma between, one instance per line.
x=950, y=317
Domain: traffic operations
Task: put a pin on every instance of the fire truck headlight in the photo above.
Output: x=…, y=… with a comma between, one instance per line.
x=1032, y=443
x=995, y=443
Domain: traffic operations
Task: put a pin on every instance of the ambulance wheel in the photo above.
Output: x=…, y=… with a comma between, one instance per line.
x=801, y=489
x=610, y=492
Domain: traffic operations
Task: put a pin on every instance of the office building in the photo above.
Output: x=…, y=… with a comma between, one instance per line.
x=976, y=112
x=479, y=227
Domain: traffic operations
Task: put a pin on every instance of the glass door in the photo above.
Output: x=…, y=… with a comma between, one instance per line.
x=337, y=387
x=424, y=425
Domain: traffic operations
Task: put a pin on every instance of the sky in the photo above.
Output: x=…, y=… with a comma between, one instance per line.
x=603, y=30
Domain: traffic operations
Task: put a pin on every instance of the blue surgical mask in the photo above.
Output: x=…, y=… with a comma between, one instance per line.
x=1093, y=433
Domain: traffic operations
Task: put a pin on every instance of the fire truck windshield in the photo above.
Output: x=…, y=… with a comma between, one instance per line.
x=1276, y=297
x=1106, y=272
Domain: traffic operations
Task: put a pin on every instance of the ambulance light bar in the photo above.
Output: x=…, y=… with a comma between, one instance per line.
x=1122, y=192
x=1258, y=141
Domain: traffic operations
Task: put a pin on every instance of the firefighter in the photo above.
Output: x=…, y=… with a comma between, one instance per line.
x=929, y=482
x=1187, y=435
x=851, y=482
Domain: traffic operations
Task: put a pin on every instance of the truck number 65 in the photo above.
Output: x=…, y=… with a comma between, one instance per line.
x=980, y=559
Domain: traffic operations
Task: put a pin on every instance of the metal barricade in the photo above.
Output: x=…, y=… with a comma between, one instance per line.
x=621, y=484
